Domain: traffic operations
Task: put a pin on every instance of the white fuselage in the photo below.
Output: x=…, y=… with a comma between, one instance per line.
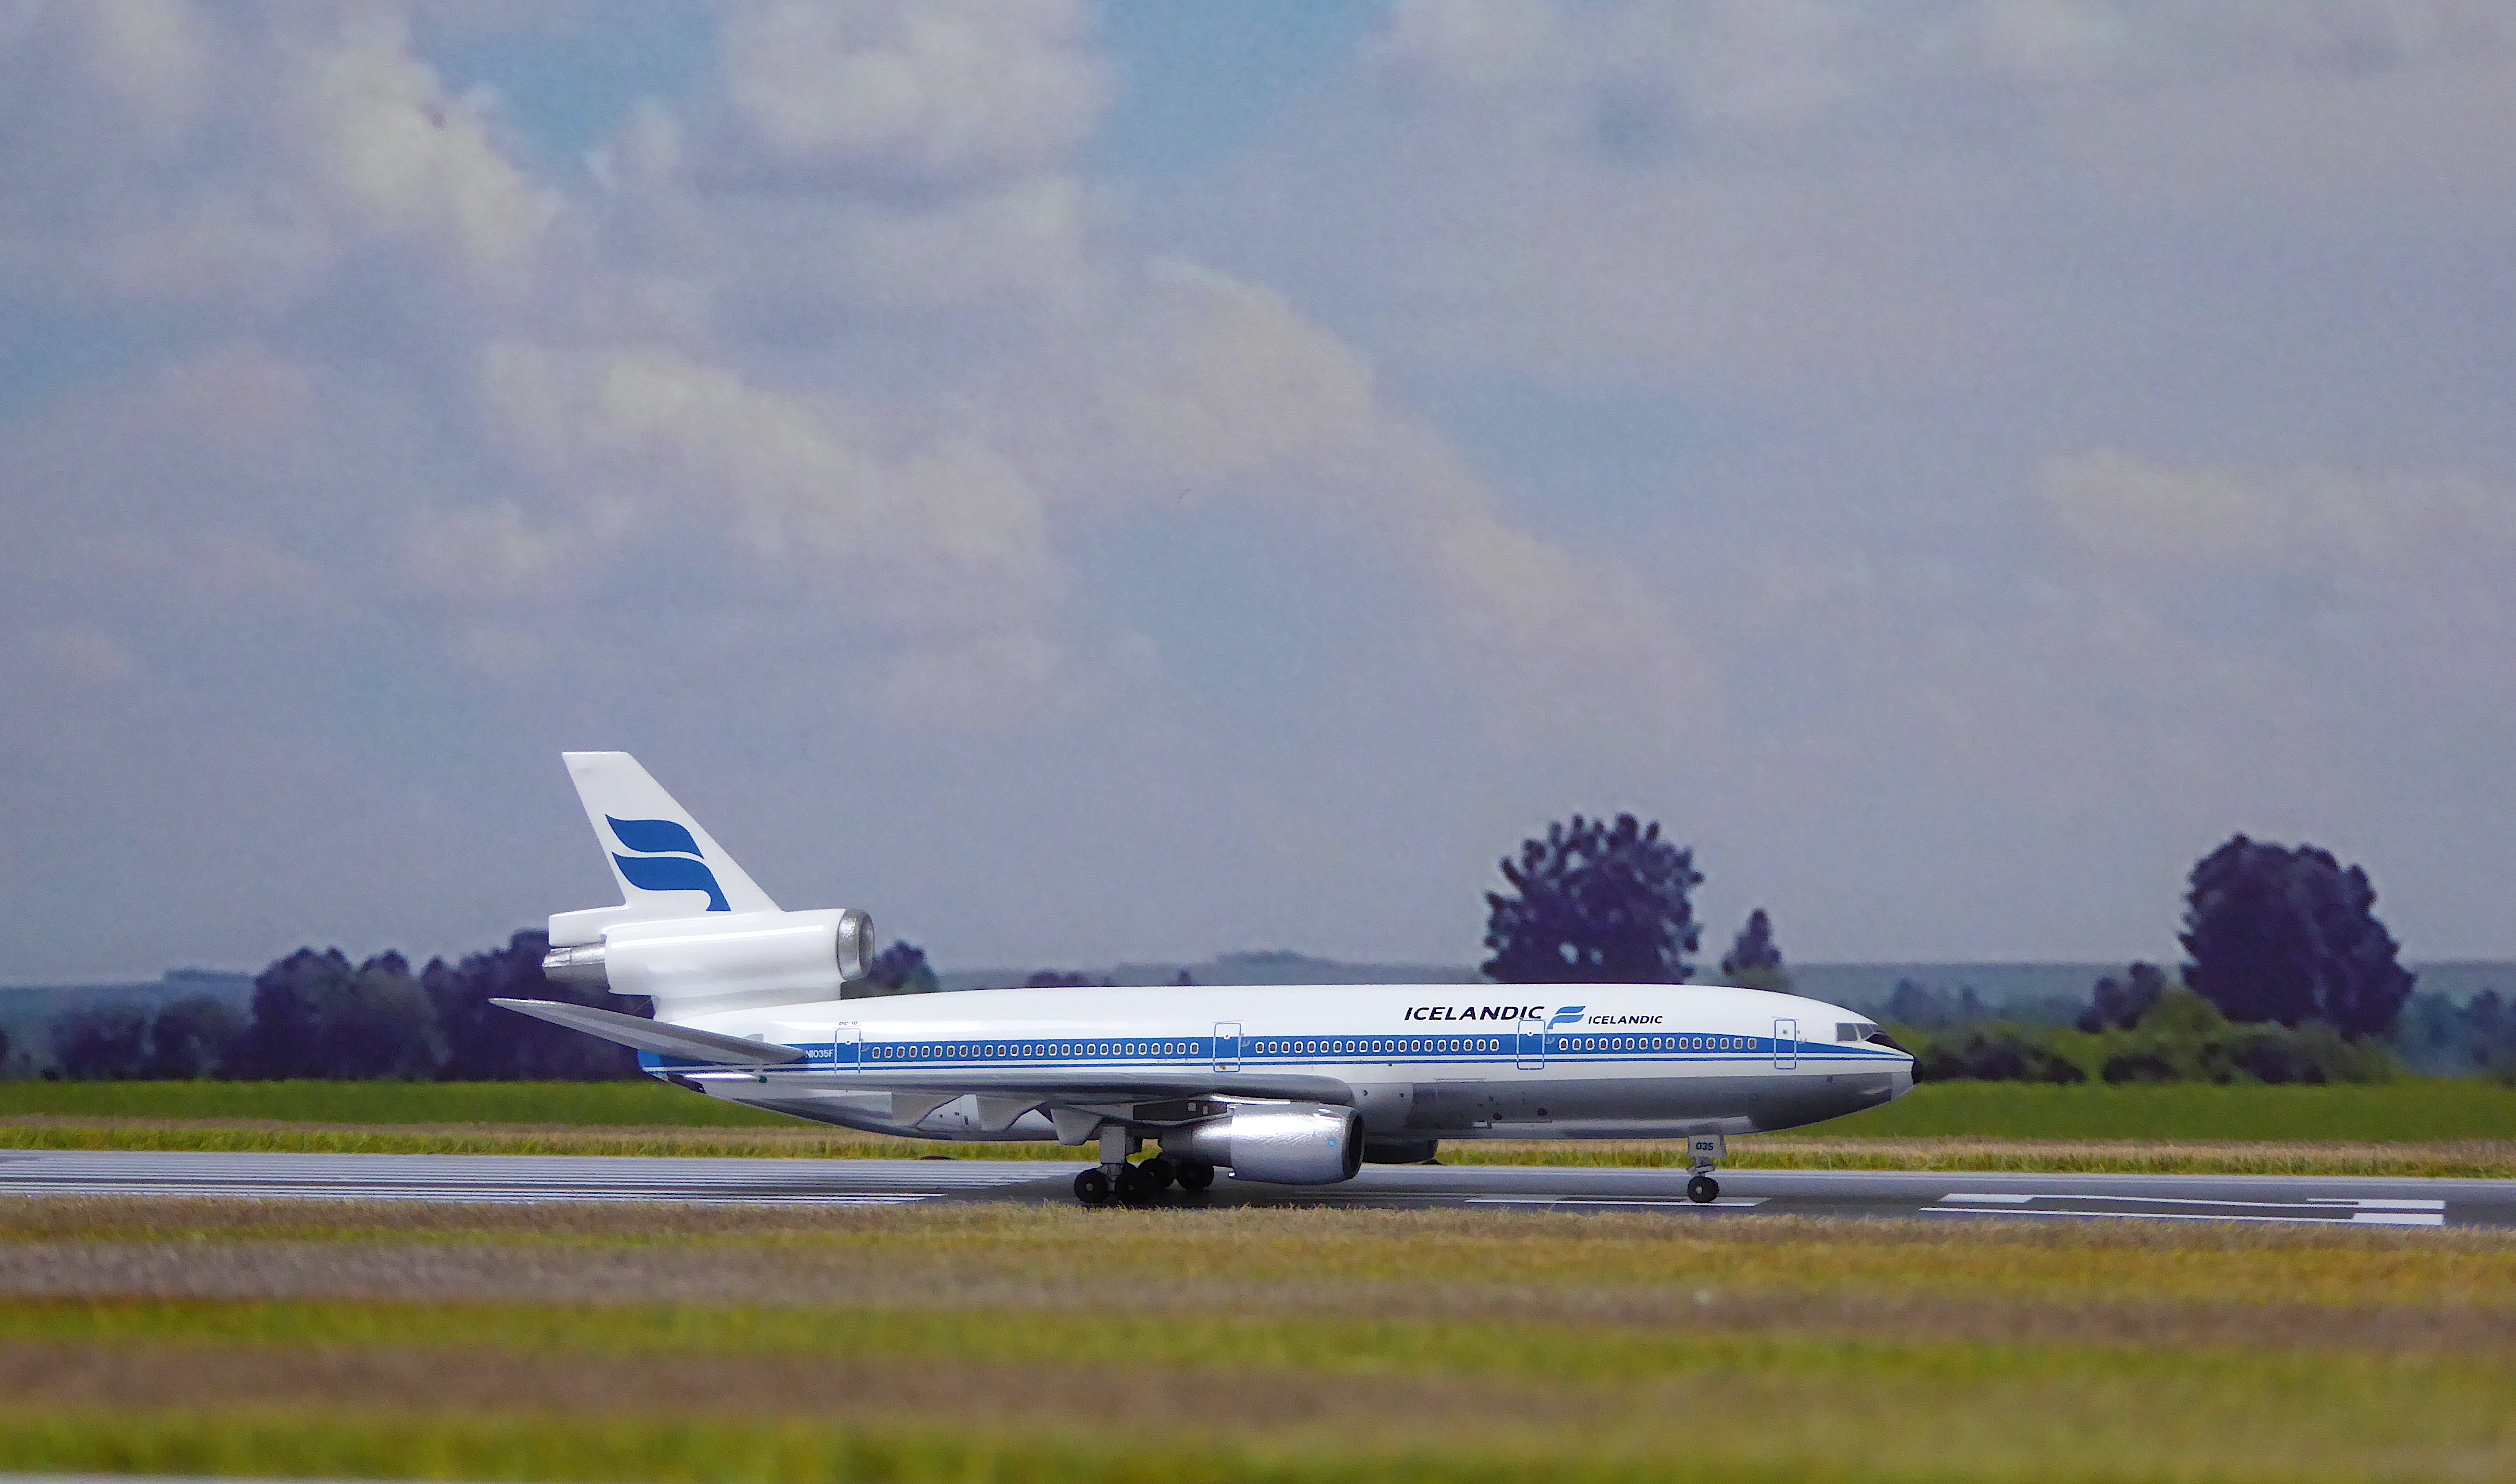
x=1415, y=1061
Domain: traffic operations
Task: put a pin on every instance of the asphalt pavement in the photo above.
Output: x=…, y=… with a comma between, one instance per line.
x=841, y=1182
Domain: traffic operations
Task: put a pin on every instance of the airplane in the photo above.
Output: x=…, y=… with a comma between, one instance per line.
x=1291, y=1085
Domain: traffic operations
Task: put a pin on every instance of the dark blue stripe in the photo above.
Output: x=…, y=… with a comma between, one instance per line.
x=1062, y=1052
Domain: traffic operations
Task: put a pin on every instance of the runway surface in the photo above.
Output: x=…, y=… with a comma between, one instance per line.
x=842, y=1183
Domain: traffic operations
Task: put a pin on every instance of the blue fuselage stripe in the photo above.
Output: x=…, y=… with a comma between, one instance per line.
x=1281, y=1050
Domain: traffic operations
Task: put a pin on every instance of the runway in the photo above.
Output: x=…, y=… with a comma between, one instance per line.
x=1745, y=1193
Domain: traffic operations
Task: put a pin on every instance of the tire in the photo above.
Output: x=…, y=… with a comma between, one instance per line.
x=1704, y=1190
x=1092, y=1187
x=1195, y=1176
x=1126, y=1184
x=1157, y=1174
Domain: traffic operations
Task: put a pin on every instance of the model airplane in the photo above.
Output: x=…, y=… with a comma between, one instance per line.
x=1291, y=1086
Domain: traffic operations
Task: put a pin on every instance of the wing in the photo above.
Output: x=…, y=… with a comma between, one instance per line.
x=705, y=1048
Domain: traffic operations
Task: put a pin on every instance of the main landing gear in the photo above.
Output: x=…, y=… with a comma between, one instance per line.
x=1115, y=1178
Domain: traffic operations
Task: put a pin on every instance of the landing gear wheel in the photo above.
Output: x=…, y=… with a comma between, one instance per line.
x=1127, y=1185
x=1704, y=1190
x=1092, y=1187
x=1157, y=1174
x=1195, y=1175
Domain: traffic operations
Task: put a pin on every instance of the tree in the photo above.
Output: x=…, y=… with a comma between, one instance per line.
x=314, y=1015
x=1754, y=959
x=279, y=1036
x=2284, y=935
x=899, y=969
x=485, y=1043
x=192, y=1037
x=102, y=1043
x=380, y=1024
x=2120, y=1003
x=1594, y=904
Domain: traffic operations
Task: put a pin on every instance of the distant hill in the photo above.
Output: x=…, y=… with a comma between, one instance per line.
x=27, y=1012
x=2030, y=988
x=1271, y=967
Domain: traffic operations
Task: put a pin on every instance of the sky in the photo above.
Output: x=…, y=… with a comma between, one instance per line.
x=1095, y=482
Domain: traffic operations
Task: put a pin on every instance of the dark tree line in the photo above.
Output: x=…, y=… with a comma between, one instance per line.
x=317, y=1014
x=2290, y=977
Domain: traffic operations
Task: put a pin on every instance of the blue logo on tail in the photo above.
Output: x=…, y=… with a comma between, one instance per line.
x=1570, y=1015
x=668, y=859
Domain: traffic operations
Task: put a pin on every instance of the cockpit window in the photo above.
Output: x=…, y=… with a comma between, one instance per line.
x=1855, y=1030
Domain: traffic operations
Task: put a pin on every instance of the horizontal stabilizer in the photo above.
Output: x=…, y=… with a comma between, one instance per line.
x=655, y=1035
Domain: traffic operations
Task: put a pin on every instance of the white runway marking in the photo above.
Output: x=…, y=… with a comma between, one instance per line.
x=2327, y=1209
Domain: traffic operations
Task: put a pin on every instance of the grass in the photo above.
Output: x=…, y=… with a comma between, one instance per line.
x=2413, y=1110
x=644, y=1103
x=1015, y=1343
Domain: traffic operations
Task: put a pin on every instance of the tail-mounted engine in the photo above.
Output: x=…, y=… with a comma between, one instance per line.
x=794, y=955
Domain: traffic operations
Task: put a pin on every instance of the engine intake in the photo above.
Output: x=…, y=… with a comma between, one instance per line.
x=1300, y=1143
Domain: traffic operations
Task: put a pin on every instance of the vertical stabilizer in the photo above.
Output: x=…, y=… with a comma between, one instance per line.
x=666, y=864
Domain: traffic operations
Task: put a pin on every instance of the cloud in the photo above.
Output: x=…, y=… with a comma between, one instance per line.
x=912, y=92
x=2120, y=509
x=163, y=152
x=939, y=544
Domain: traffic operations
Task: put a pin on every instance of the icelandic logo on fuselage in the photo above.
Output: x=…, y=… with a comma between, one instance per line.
x=668, y=859
x=1570, y=1015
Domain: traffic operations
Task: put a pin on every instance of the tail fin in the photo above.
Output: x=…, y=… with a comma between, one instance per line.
x=666, y=864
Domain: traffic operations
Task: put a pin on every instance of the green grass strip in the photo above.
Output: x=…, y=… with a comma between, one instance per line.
x=643, y=1104
x=1130, y=1449
x=1595, y=1353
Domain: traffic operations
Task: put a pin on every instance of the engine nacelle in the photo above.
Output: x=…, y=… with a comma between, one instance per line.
x=1300, y=1143
x=794, y=955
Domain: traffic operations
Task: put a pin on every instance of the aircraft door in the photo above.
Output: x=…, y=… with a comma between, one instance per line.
x=1227, y=1046
x=1787, y=1046
x=1532, y=1042
x=846, y=1045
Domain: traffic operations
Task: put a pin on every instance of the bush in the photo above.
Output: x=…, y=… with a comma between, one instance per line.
x=1999, y=1051
x=2181, y=1038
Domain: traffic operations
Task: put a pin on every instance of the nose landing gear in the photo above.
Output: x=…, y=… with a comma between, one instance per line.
x=1706, y=1150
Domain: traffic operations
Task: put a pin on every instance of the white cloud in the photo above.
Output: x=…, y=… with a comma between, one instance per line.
x=2124, y=509
x=1199, y=378
x=237, y=155
x=913, y=91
